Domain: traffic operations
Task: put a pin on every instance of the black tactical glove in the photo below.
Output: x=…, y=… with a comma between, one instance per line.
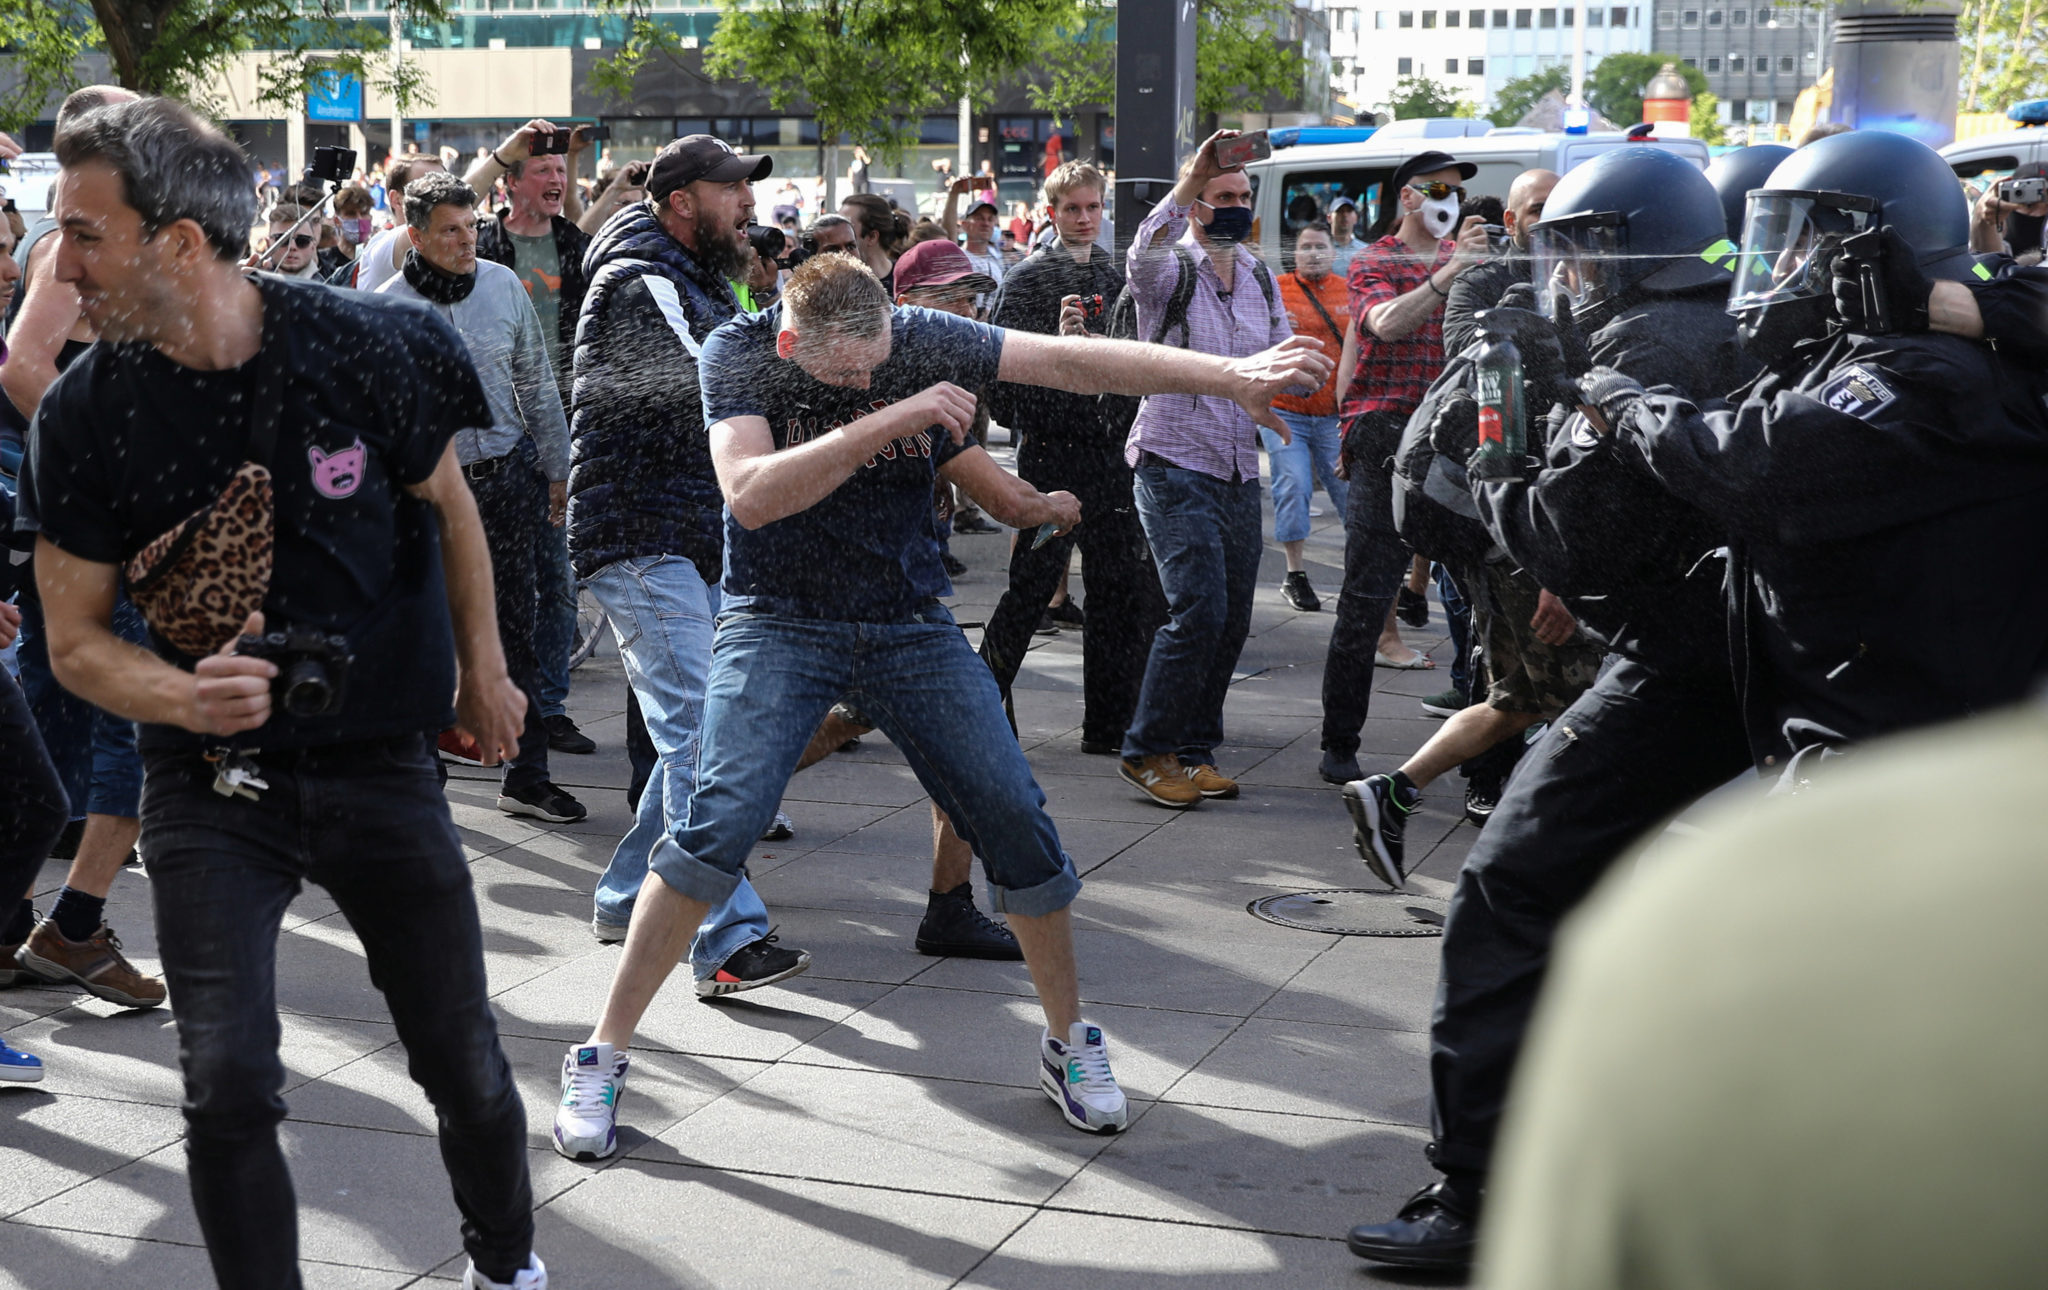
x=1454, y=432
x=1887, y=264
x=1611, y=393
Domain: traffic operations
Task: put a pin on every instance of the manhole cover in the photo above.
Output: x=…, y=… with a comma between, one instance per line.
x=1353, y=911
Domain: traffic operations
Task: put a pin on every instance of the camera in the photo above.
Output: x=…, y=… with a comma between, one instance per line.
x=1498, y=240
x=332, y=165
x=1092, y=307
x=2023, y=192
x=312, y=669
x=768, y=241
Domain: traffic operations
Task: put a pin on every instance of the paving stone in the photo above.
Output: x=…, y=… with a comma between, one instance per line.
x=52, y=1142
x=39, y=1258
x=1103, y=1253
x=1302, y=1068
x=1380, y=981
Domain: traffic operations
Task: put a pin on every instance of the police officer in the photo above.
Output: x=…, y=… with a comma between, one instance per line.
x=1619, y=252
x=1733, y=174
x=1862, y=470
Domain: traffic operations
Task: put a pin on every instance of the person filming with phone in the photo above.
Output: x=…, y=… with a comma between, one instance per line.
x=299, y=537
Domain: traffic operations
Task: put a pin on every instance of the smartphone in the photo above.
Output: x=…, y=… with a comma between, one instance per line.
x=332, y=165
x=1256, y=146
x=2023, y=192
x=550, y=142
x=597, y=133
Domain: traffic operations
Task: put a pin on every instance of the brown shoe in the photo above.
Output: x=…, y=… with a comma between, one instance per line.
x=1162, y=778
x=97, y=964
x=13, y=973
x=1211, y=784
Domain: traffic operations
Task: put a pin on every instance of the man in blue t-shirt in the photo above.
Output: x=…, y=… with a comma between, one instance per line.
x=830, y=421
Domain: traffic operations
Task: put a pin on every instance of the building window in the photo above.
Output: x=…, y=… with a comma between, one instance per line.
x=1689, y=18
x=1544, y=62
x=1379, y=19
x=1500, y=17
x=1765, y=16
x=1546, y=18
x=1429, y=18
x=1690, y=62
x=1735, y=64
x=1667, y=19
x=1569, y=16
x=1451, y=66
x=1715, y=17
x=1475, y=67
x=1451, y=17
x=1595, y=16
x=1785, y=63
x=1713, y=65
x=1475, y=19
x=1404, y=67
x=1618, y=18
x=1738, y=18
x=1407, y=17
x=1523, y=19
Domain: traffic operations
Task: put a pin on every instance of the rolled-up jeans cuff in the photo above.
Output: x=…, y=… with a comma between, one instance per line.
x=1048, y=897
x=689, y=875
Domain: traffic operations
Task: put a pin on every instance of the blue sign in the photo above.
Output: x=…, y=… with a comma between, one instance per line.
x=335, y=96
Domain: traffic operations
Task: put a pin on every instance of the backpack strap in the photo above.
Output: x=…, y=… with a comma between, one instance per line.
x=1328, y=321
x=1176, y=312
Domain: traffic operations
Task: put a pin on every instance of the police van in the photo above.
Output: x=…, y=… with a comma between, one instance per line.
x=1296, y=185
x=1994, y=156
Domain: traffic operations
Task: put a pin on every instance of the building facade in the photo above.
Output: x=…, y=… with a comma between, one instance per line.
x=1472, y=51
x=1756, y=57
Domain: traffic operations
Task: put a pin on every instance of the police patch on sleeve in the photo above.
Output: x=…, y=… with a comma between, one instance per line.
x=1857, y=391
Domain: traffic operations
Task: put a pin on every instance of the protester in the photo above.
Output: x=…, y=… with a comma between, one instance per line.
x=1072, y=443
x=1398, y=286
x=32, y=813
x=978, y=225
x=199, y=369
x=517, y=465
x=1344, y=240
x=293, y=243
x=1318, y=304
x=2017, y=229
x=1197, y=475
x=829, y=424
x=879, y=231
x=382, y=259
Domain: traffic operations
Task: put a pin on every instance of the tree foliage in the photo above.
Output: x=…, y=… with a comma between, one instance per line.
x=1514, y=99
x=1240, y=60
x=2005, y=52
x=1415, y=96
x=1615, y=84
x=177, y=47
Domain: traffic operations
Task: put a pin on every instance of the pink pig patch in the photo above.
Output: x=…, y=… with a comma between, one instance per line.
x=338, y=475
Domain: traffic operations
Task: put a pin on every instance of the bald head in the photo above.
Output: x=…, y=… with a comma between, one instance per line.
x=84, y=99
x=1525, y=202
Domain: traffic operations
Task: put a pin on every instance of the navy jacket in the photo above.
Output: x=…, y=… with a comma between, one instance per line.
x=640, y=477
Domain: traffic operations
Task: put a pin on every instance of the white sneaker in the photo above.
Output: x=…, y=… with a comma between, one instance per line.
x=587, y=1120
x=779, y=829
x=534, y=1276
x=1076, y=1076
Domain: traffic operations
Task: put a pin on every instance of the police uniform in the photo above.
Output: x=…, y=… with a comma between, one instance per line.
x=1632, y=563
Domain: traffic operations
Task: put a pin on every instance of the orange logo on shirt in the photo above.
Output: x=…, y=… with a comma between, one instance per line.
x=552, y=281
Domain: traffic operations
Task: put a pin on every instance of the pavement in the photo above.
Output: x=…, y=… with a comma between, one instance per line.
x=877, y=1121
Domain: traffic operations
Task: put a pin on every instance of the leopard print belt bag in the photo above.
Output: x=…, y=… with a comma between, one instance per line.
x=198, y=582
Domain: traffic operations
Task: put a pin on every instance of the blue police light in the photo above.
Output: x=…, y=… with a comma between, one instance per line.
x=1578, y=120
x=2031, y=112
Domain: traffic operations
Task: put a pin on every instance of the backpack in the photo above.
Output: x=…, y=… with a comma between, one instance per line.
x=1123, y=315
x=1433, y=507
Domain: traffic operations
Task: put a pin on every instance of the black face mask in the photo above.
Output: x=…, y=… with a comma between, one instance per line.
x=2023, y=233
x=437, y=286
x=1773, y=334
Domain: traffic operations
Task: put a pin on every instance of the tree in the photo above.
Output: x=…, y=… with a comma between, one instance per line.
x=176, y=47
x=1239, y=60
x=1415, y=96
x=2005, y=58
x=1517, y=96
x=1614, y=85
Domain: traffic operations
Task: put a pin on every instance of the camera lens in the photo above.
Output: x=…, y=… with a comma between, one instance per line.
x=306, y=689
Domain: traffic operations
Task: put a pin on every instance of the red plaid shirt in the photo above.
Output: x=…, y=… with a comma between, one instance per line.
x=1393, y=375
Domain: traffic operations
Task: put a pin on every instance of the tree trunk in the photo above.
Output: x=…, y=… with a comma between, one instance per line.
x=831, y=177
x=1977, y=54
x=130, y=30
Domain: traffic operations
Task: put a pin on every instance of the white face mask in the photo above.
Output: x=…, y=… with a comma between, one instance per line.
x=1439, y=216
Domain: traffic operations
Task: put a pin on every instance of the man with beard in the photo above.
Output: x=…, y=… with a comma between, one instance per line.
x=294, y=246
x=519, y=464
x=645, y=516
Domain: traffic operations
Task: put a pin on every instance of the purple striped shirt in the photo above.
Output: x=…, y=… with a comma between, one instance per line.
x=1214, y=436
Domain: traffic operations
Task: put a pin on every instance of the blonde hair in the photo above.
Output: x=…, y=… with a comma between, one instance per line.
x=837, y=294
x=1068, y=176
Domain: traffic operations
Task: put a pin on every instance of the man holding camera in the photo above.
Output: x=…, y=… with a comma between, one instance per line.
x=201, y=375
x=2012, y=216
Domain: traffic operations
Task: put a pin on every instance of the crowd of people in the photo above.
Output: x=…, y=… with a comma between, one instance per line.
x=248, y=652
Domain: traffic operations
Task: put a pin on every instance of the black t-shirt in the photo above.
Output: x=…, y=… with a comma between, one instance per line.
x=869, y=552
x=127, y=444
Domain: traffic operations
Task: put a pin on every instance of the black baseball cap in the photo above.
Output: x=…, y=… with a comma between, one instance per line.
x=700, y=156
x=979, y=203
x=1423, y=163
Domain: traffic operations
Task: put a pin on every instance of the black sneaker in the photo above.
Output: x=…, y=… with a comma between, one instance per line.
x=1378, y=821
x=564, y=737
x=1102, y=747
x=1412, y=607
x=953, y=927
x=1335, y=769
x=954, y=564
x=1482, y=794
x=972, y=522
x=1067, y=613
x=1448, y=704
x=544, y=801
x=1294, y=589
x=1433, y=1230
x=755, y=964
x=1046, y=626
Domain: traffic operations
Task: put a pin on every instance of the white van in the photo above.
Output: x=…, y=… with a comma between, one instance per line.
x=28, y=180
x=1995, y=155
x=1321, y=173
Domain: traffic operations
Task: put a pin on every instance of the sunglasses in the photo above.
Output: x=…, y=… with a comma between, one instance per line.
x=1438, y=190
x=302, y=240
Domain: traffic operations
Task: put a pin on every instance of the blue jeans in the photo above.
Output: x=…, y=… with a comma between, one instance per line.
x=1206, y=535
x=661, y=611
x=1313, y=453
x=554, y=621
x=94, y=751
x=1458, y=617
x=773, y=679
x=368, y=822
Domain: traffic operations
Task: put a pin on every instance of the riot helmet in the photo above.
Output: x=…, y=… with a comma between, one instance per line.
x=1637, y=218
x=1733, y=174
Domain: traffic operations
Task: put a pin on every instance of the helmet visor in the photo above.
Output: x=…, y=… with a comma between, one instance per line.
x=1577, y=259
x=1789, y=240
